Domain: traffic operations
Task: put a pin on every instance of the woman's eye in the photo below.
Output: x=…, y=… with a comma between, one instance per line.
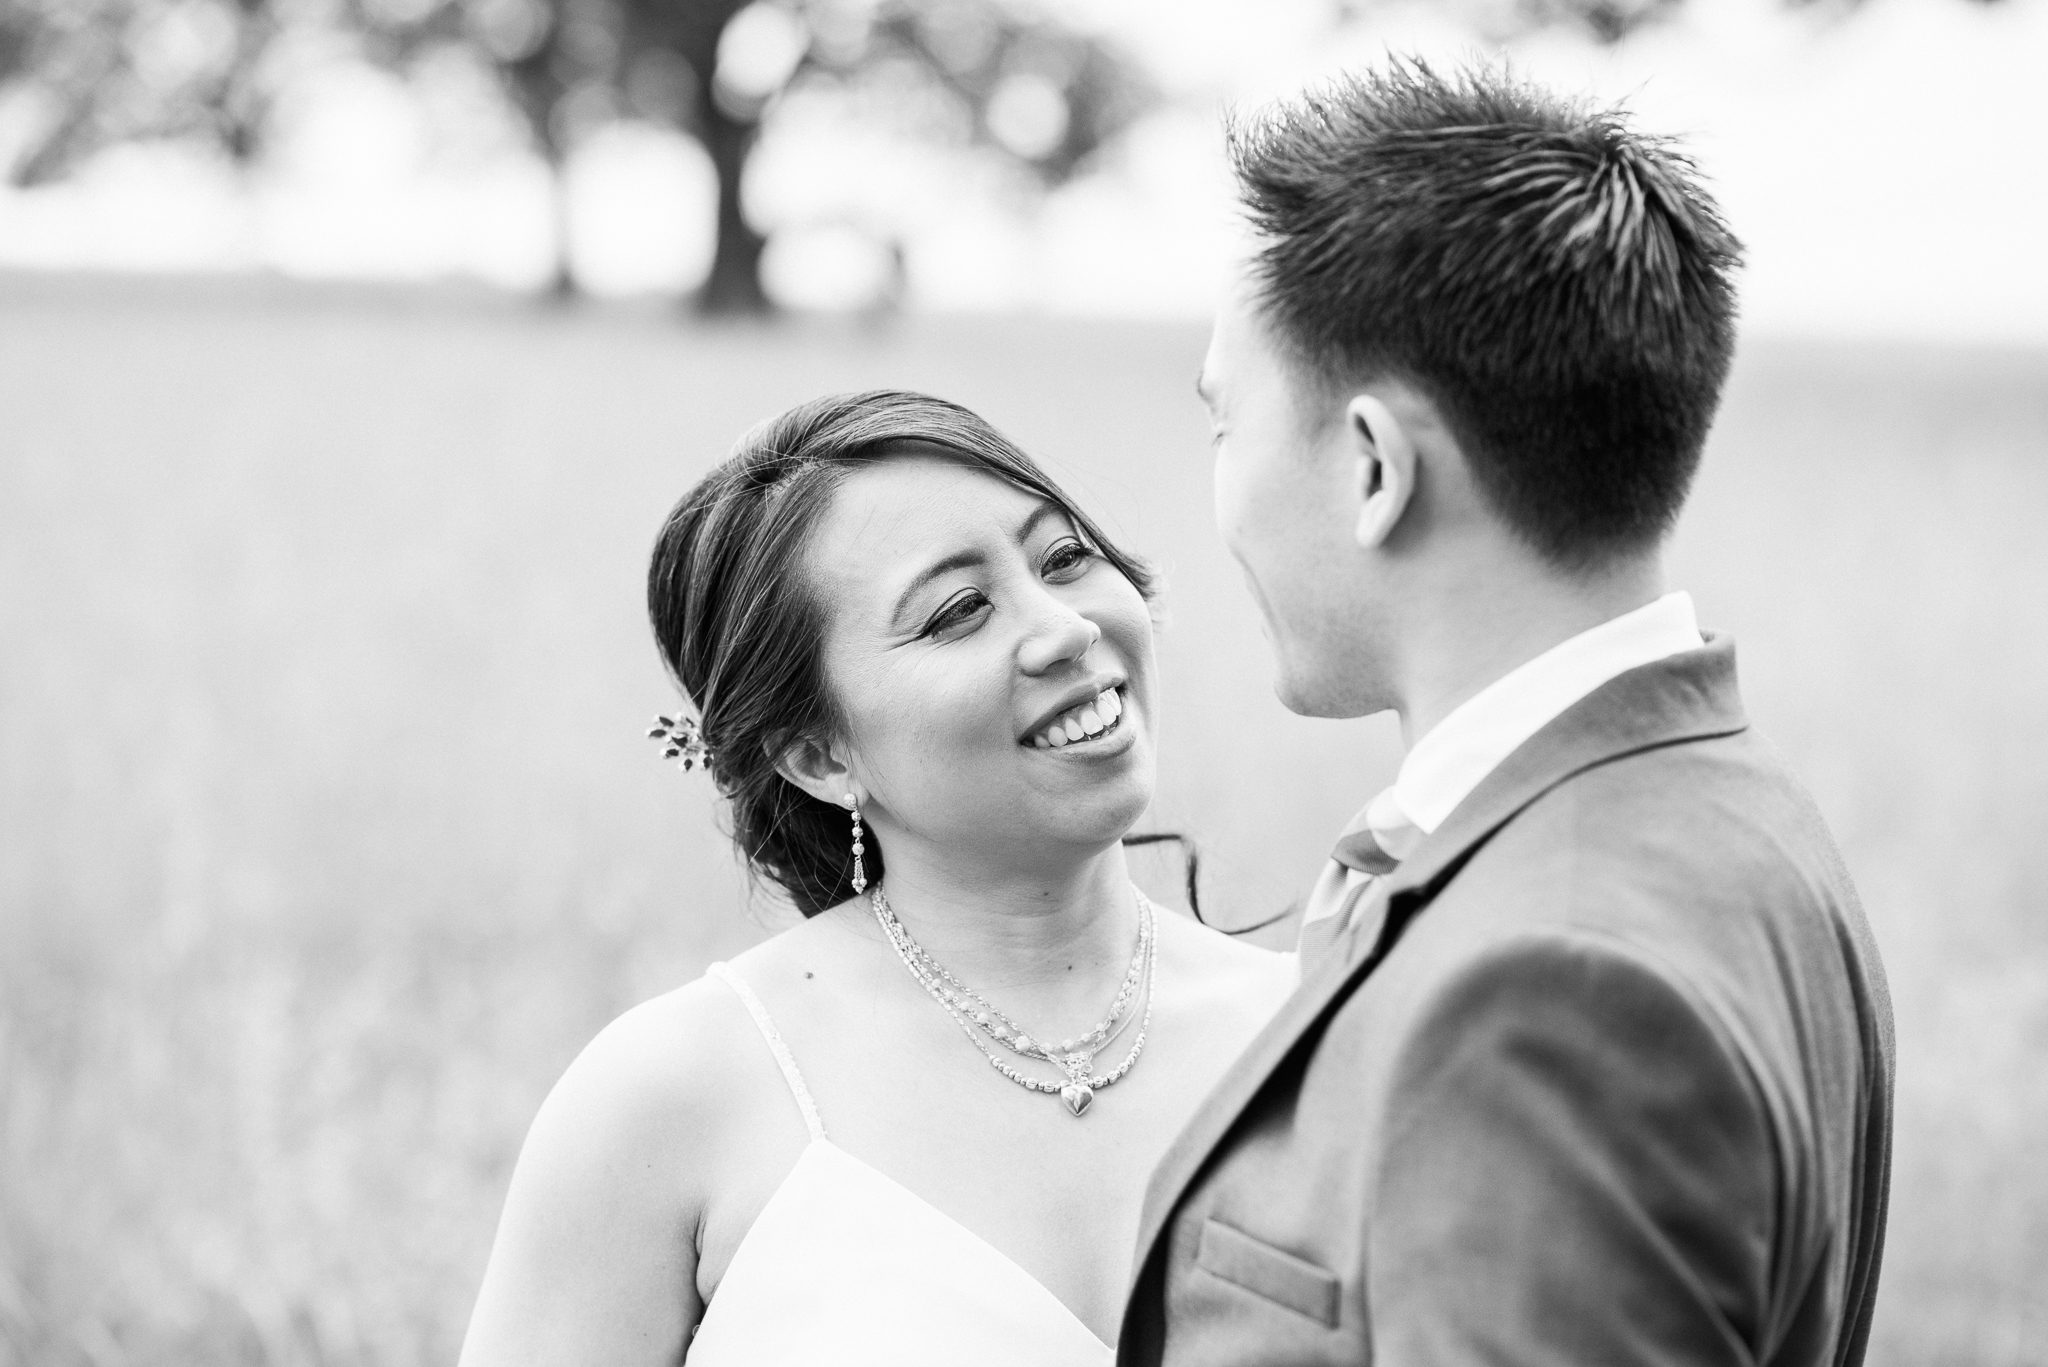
x=956, y=613
x=1067, y=558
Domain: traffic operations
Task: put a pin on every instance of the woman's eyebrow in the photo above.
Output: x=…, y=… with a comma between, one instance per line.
x=970, y=558
x=1038, y=515
x=958, y=560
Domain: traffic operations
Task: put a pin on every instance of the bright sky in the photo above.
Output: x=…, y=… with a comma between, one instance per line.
x=1888, y=169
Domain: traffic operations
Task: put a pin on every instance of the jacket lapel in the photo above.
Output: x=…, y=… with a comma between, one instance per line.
x=1689, y=696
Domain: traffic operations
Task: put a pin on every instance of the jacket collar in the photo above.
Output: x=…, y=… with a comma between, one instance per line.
x=1684, y=697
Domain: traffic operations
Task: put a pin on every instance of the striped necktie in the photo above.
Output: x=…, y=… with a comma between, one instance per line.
x=1374, y=844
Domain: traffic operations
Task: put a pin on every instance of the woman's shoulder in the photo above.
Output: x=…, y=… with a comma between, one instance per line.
x=698, y=1045
x=672, y=1045
x=658, y=1061
x=659, y=1089
x=697, y=1041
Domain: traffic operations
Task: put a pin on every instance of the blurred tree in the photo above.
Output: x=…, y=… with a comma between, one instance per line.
x=1605, y=21
x=556, y=63
x=79, y=75
x=1001, y=77
x=672, y=76
x=1039, y=95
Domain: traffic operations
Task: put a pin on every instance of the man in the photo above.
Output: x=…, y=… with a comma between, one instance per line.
x=1591, y=1063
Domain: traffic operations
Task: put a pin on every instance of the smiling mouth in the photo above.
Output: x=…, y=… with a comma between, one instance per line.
x=1081, y=725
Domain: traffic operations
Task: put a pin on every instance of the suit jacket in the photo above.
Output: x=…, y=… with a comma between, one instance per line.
x=1610, y=1084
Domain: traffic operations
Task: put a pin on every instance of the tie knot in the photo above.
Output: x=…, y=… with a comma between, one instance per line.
x=1380, y=839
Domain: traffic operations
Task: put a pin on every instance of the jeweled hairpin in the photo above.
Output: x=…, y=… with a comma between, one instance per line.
x=682, y=740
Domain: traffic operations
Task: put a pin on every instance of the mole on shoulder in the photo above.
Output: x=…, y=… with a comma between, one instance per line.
x=807, y=973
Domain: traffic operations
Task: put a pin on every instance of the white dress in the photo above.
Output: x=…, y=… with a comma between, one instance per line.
x=846, y=1266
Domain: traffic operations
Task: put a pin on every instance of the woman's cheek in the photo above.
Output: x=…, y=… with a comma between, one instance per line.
x=1127, y=624
x=948, y=722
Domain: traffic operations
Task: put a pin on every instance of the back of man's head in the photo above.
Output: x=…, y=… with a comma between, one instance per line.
x=1559, y=285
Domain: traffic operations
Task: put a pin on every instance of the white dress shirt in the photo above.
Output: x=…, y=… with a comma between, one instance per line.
x=1452, y=757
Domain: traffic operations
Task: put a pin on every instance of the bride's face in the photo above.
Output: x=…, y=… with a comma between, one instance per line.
x=968, y=625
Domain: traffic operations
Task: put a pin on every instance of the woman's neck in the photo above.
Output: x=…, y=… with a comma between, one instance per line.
x=1048, y=946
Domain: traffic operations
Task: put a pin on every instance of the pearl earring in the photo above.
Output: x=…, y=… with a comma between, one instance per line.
x=860, y=871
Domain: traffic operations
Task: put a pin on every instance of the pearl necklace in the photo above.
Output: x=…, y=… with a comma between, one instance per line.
x=975, y=1017
x=1000, y=1027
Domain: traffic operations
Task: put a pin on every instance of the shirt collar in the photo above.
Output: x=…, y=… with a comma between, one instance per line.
x=1451, y=759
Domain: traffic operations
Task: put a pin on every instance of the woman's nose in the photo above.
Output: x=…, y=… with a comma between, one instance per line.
x=1061, y=635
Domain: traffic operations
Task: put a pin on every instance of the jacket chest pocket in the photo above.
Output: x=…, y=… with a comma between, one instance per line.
x=1269, y=1272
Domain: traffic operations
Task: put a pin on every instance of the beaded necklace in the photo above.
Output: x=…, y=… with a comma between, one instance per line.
x=1074, y=1057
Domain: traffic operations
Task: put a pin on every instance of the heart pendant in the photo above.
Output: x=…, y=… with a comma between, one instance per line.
x=1079, y=1096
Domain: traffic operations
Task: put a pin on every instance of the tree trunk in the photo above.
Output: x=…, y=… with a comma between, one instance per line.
x=734, y=285
x=562, y=287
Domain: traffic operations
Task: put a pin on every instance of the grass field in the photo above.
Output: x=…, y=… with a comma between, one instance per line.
x=328, y=834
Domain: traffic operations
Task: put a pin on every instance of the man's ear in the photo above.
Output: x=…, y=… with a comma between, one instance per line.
x=817, y=767
x=1385, y=468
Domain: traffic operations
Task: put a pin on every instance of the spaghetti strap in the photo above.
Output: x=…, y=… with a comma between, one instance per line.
x=801, y=1093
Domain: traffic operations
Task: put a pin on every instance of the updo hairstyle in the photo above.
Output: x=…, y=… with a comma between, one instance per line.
x=743, y=634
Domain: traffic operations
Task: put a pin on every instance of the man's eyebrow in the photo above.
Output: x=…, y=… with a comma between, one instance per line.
x=968, y=559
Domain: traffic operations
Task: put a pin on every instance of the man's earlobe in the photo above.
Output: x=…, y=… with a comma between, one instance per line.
x=1386, y=468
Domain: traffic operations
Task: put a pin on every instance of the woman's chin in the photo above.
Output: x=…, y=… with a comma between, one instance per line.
x=1099, y=769
x=1096, y=818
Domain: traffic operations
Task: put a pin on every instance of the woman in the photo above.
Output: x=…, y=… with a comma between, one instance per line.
x=926, y=685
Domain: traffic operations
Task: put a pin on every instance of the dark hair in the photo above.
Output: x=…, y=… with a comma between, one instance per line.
x=741, y=632
x=1557, y=283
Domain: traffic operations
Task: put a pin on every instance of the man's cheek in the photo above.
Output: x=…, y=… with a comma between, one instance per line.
x=1229, y=505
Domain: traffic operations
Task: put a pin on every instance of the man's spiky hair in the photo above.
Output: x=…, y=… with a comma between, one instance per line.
x=1559, y=284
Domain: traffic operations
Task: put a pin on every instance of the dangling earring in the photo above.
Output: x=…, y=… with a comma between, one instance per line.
x=860, y=871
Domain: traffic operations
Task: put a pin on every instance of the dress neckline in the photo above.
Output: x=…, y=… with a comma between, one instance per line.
x=819, y=1142
x=896, y=1189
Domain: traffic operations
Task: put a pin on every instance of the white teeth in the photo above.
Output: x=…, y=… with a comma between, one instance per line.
x=1085, y=722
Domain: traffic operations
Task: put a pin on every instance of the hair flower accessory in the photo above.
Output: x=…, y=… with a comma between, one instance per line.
x=682, y=740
